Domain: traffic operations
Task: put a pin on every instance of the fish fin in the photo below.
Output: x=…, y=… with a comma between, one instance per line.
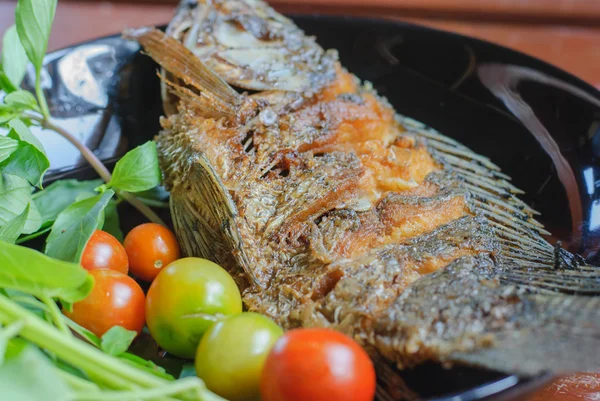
x=490, y=195
x=203, y=104
x=579, y=280
x=564, y=337
x=181, y=62
x=205, y=212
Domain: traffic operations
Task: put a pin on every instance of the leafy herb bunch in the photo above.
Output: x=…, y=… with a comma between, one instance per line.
x=43, y=354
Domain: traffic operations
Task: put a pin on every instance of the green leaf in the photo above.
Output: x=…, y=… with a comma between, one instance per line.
x=15, y=194
x=34, y=235
x=5, y=84
x=74, y=226
x=117, y=340
x=187, y=370
x=155, y=197
x=11, y=230
x=146, y=365
x=58, y=195
x=24, y=133
x=27, y=161
x=7, y=113
x=111, y=221
x=27, y=375
x=7, y=147
x=34, y=21
x=30, y=271
x=22, y=100
x=138, y=170
x=14, y=58
x=84, y=333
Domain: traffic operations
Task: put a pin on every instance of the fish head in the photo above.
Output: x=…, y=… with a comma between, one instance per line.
x=253, y=47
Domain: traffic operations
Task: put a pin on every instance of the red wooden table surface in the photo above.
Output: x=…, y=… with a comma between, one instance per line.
x=563, y=32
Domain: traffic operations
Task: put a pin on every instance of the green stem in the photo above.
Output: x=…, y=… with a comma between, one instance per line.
x=12, y=329
x=173, y=388
x=34, y=235
x=25, y=300
x=40, y=95
x=77, y=383
x=155, y=203
x=141, y=207
x=75, y=352
x=101, y=367
x=97, y=165
x=56, y=314
x=143, y=364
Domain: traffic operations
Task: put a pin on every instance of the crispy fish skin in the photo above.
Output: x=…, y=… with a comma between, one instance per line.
x=330, y=209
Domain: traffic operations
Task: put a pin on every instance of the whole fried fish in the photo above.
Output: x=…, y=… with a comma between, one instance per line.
x=332, y=210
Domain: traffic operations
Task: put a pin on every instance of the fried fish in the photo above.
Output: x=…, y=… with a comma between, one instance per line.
x=330, y=209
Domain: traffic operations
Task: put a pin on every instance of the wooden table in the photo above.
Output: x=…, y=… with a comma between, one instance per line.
x=563, y=32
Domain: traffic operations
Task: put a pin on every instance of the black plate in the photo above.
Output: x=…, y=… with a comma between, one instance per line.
x=540, y=124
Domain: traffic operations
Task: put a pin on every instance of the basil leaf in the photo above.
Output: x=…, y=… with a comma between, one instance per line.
x=7, y=113
x=24, y=133
x=138, y=170
x=84, y=333
x=22, y=100
x=74, y=226
x=58, y=195
x=30, y=271
x=34, y=21
x=27, y=162
x=7, y=146
x=28, y=375
x=90, y=194
x=14, y=58
x=111, y=221
x=117, y=340
x=5, y=84
x=15, y=194
x=11, y=230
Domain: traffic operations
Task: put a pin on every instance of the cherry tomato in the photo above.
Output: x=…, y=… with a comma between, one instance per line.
x=115, y=300
x=150, y=247
x=103, y=251
x=232, y=353
x=185, y=299
x=317, y=365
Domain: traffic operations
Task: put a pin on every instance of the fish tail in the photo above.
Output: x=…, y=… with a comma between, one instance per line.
x=489, y=313
x=561, y=335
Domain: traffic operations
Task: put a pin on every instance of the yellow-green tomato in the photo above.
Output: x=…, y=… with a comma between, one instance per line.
x=185, y=299
x=232, y=354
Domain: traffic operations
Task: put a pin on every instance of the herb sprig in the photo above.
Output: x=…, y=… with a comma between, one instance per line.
x=40, y=357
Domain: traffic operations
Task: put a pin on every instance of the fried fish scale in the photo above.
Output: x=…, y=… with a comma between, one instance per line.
x=331, y=209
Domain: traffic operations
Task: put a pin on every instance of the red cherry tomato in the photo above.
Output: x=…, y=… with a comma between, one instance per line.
x=115, y=300
x=103, y=251
x=317, y=365
x=150, y=247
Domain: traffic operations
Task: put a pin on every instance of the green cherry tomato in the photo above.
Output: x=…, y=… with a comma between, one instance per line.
x=232, y=354
x=185, y=299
